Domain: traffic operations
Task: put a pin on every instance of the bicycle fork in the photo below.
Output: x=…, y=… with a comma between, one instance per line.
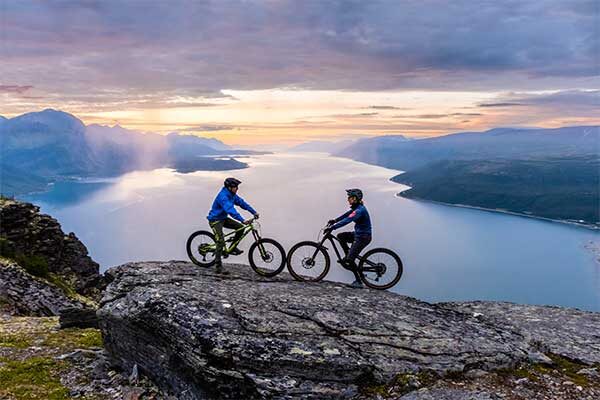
x=261, y=248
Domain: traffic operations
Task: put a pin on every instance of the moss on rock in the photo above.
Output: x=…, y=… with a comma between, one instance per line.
x=74, y=338
x=32, y=378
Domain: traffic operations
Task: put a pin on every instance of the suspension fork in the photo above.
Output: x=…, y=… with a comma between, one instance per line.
x=261, y=248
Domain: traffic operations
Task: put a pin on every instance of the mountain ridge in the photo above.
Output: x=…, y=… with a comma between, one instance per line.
x=549, y=173
x=50, y=145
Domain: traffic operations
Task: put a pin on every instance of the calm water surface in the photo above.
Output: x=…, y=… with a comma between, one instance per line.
x=449, y=253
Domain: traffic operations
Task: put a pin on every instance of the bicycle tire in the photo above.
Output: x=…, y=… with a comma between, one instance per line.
x=189, y=248
x=292, y=269
x=261, y=271
x=371, y=253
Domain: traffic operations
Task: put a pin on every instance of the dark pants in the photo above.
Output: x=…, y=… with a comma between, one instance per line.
x=217, y=228
x=359, y=242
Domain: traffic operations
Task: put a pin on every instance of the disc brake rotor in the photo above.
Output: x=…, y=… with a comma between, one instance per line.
x=308, y=263
x=268, y=257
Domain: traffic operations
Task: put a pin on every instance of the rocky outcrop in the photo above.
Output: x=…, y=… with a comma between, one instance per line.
x=30, y=233
x=570, y=333
x=202, y=335
x=24, y=294
x=41, y=361
x=77, y=317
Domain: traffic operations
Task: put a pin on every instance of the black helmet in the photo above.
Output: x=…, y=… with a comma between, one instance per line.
x=355, y=192
x=231, y=182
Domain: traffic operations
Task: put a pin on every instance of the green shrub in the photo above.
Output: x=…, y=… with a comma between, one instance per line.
x=7, y=249
x=34, y=264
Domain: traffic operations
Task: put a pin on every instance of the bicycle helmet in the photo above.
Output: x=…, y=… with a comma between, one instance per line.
x=355, y=192
x=231, y=182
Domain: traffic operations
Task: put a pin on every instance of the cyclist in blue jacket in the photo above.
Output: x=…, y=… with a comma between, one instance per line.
x=219, y=217
x=361, y=236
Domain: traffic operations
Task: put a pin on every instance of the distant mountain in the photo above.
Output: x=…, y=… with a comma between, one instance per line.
x=503, y=143
x=185, y=146
x=321, y=146
x=15, y=181
x=41, y=147
x=206, y=163
x=552, y=173
x=48, y=143
x=194, y=140
x=556, y=188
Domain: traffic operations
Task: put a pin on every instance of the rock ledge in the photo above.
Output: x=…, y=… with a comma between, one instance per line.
x=201, y=335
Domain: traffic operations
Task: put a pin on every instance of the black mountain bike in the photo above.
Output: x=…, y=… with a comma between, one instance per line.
x=266, y=256
x=309, y=261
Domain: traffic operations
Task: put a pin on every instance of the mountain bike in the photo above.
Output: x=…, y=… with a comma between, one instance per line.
x=266, y=256
x=309, y=261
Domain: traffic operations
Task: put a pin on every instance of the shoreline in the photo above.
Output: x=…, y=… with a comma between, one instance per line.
x=501, y=211
x=588, y=226
x=103, y=179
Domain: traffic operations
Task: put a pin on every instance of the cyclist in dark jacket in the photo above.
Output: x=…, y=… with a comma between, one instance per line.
x=361, y=236
x=224, y=206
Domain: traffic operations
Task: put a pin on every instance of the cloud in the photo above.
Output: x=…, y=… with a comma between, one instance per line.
x=387, y=108
x=562, y=98
x=209, y=128
x=338, y=116
x=552, y=108
x=196, y=48
x=436, y=116
x=506, y=104
x=14, y=89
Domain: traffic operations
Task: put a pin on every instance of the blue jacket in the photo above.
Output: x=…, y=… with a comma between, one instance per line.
x=360, y=216
x=223, y=205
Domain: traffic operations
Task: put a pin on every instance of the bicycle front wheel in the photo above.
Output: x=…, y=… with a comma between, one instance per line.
x=380, y=268
x=308, y=262
x=267, y=257
x=201, y=248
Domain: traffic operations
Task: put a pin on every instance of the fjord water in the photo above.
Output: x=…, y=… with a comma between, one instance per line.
x=449, y=253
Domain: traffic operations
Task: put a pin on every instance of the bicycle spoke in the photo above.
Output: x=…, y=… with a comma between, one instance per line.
x=268, y=258
x=383, y=270
x=201, y=248
x=308, y=262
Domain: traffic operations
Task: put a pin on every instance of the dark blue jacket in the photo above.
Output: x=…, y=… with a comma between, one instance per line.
x=360, y=216
x=223, y=205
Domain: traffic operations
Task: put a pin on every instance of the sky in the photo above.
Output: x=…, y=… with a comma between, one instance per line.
x=283, y=72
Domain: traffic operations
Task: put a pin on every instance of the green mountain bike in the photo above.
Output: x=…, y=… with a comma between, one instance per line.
x=309, y=261
x=266, y=256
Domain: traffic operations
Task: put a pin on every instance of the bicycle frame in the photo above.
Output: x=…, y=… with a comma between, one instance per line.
x=372, y=267
x=246, y=230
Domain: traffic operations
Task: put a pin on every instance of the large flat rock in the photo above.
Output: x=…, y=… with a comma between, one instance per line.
x=567, y=332
x=202, y=335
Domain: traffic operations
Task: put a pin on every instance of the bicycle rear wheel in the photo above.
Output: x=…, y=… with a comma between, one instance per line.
x=267, y=257
x=201, y=248
x=308, y=262
x=380, y=268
